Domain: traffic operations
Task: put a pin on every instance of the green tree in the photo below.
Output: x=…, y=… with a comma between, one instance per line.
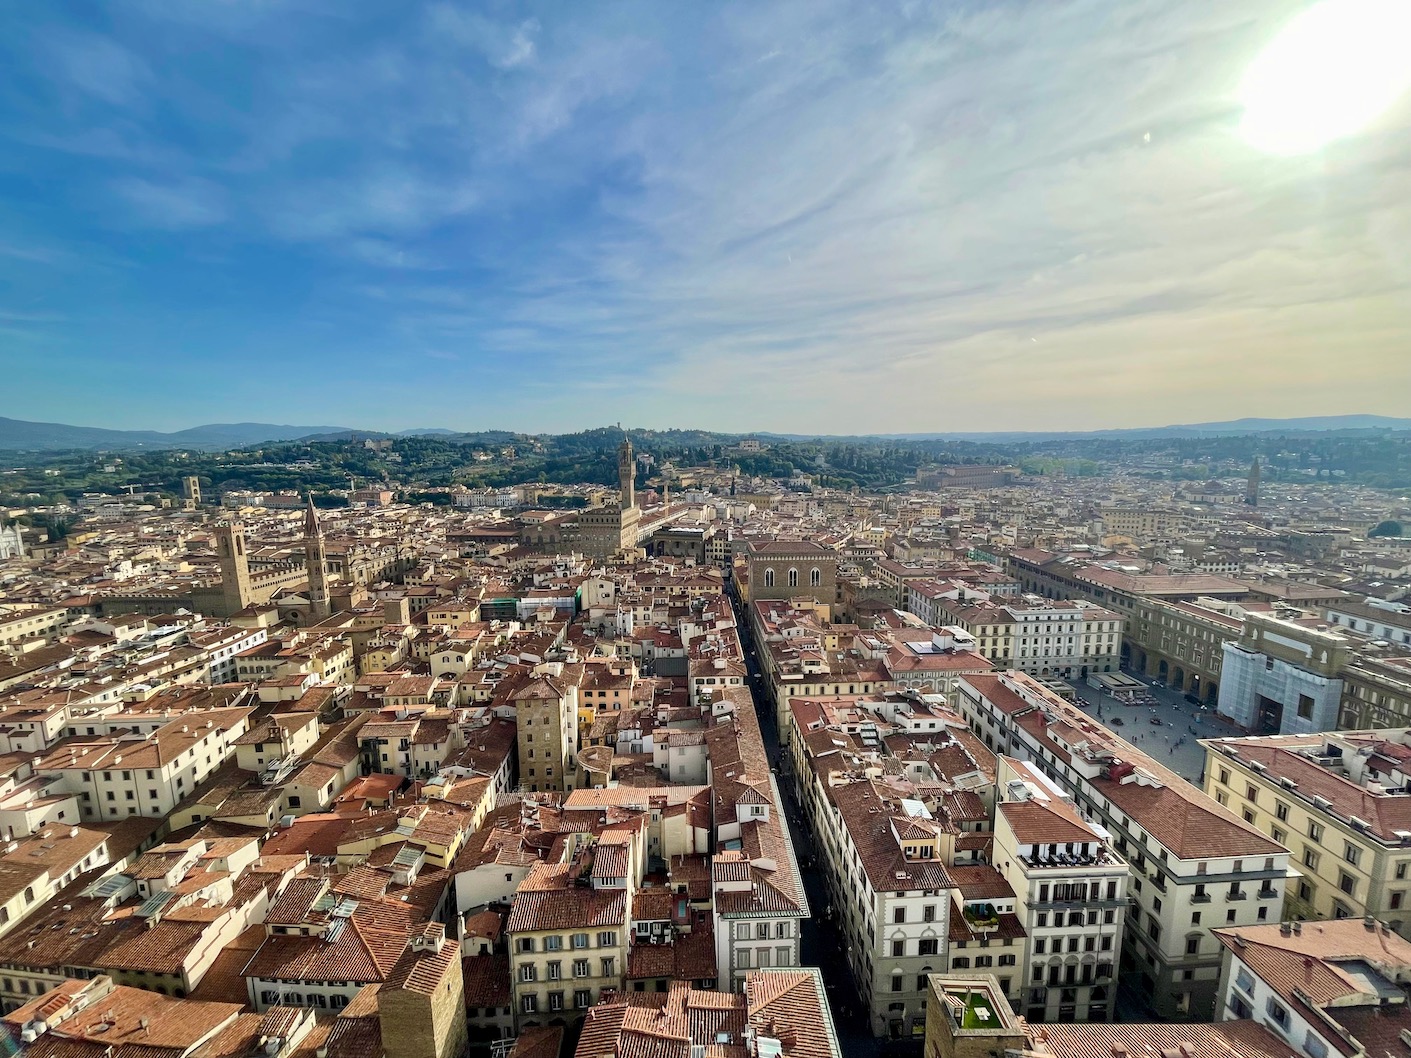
x=1386, y=528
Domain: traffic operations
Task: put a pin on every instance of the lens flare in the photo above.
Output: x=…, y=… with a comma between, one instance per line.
x=1329, y=73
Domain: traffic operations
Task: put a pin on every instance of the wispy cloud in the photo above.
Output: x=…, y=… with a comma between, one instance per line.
x=172, y=204
x=98, y=66
x=974, y=214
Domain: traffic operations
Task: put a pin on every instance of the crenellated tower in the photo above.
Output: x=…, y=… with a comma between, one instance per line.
x=627, y=474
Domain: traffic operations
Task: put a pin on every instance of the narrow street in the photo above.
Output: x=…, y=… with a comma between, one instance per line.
x=820, y=944
x=1173, y=742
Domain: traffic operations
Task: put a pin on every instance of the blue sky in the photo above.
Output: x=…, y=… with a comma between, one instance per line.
x=772, y=216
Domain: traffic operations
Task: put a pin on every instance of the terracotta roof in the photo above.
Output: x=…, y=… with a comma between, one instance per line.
x=1097, y=1040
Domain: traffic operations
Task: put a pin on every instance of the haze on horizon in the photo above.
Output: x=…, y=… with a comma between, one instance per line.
x=795, y=217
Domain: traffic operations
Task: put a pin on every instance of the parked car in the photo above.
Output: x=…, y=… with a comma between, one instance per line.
x=1158, y=683
x=1155, y=720
x=1117, y=721
x=1194, y=699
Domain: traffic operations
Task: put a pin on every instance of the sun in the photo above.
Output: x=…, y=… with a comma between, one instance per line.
x=1329, y=73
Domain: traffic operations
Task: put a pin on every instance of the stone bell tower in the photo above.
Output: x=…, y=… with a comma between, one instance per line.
x=317, y=563
x=627, y=474
x=234, y=566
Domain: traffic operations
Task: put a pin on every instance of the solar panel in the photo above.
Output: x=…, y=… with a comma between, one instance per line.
x=155, y=903
x=109, y=887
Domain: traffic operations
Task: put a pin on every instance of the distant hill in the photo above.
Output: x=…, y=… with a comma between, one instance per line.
x=18, y=435
x=1232, y=428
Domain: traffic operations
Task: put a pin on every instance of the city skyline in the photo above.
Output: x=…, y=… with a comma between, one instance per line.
x=1023, y=217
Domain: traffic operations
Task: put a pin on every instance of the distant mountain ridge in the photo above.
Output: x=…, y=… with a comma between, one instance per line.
x=19, y=435
x=1231, y=428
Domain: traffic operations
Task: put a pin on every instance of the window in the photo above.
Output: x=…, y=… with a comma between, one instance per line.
x=1310, y=858
x=555, y=1000
x=609, y=966
x=1305, y=707
x=1282, y=811
x=1351, y=853
x=1251, y=793
x=929, y=946
x=793, y=578
x=1192, y=945
x=1315, y=830
x=1278, y=1013
x=928, y=913
x=580, y=967
x=762, y=931
x=525, y=944
x=896, y=982
x=607, y=939
x=529, y=1004
x=769, y=578
x=555, y=971
x=580, y=940
x=550, y=943
x=815, y=578
x=898, y=949
x=1347, y=883
x=528, y=972
x=582, y=998
x=898, y=914
x=1245, y=980
x=1314, y=1047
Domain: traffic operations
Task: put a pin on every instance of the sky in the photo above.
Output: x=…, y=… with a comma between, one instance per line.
x=793, y=217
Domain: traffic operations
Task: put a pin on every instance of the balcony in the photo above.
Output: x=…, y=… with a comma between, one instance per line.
x=1267, y=893
x=1200, y=898
x=1240, y=895
x=982, y=917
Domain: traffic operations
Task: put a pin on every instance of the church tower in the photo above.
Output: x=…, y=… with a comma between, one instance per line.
x=234, y=566
x=627, y=474
x=317, y=563
x=1251, y=489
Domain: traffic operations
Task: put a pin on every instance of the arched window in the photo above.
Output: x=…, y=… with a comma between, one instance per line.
x=793, y=578
x=815, y=578
x=769, y=578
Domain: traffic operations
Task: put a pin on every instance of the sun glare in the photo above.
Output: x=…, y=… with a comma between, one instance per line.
x=1329, y=73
